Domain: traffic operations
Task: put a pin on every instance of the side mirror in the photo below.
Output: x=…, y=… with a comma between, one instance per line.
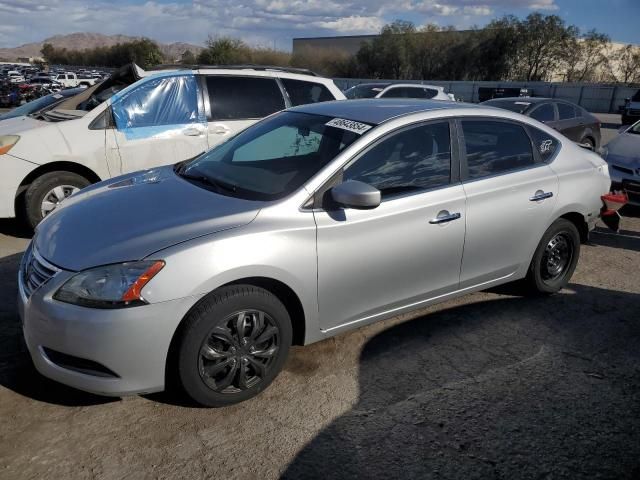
x=354, y=194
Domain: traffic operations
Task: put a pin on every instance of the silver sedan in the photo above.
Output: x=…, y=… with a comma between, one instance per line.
x=317, y=220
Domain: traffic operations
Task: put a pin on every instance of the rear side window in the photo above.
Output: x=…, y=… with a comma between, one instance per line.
x=544, y=113
x=301, y=93
x=545, y=144
x=495, y=147
x=566, y=111
x=414, y=159
x=409, y=92
x=237, y=98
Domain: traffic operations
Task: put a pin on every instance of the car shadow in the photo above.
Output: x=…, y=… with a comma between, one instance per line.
x=14, y=228
x=511, y=387
x=17, y=371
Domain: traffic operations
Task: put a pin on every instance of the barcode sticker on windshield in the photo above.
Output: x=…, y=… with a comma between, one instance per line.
x=350, y=125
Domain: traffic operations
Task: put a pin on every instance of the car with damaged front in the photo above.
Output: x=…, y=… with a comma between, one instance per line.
x=138, y=119
x=315, y=221
x=623, y=156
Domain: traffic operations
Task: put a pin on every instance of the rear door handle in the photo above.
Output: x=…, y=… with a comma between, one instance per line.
x=444, y=217
x=540, y=195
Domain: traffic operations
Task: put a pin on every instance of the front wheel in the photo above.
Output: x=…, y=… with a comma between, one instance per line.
x=232, y=345
x=555, y=258
x=47, y=191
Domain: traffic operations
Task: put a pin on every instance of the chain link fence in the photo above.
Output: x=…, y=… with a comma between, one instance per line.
x=597, y=98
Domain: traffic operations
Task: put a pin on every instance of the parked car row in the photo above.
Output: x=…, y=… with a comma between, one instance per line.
x=166, y=116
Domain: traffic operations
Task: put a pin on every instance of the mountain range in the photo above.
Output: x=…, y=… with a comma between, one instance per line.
x=81, y=41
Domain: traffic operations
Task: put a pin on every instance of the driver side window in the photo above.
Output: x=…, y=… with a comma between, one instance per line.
x=417, y=158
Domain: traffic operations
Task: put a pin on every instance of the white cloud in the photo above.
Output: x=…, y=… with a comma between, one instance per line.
x=255, y=21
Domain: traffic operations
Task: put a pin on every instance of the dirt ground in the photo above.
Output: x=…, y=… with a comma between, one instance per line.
x=492, y=385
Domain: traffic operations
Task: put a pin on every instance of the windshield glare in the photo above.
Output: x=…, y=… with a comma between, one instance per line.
x=272, y=159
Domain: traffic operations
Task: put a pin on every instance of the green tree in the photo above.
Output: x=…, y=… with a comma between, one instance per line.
x=224, y=50
x=188, y=58
x=543, y=42
x=48, y=51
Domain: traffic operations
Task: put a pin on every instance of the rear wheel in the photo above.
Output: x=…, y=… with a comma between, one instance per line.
x=47, y=191
x=555, y=258
x=233, y=345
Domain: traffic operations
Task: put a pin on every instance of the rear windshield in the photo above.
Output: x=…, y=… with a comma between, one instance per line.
x=364, y=91
x=512, y=105
x=273, y=158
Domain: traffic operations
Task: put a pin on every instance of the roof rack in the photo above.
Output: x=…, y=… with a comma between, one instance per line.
x=274, y=68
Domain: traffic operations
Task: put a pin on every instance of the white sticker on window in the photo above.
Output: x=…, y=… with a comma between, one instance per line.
x=545, y=146
x=350, y=125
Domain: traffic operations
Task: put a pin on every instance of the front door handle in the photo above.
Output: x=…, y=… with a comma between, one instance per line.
x=192, y=132
x=220, y=129
x=540, y=195
x=444, y=217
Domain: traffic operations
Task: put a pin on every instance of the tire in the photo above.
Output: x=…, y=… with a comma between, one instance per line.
x=211, y=357
x=43, y=186
x=542, y=277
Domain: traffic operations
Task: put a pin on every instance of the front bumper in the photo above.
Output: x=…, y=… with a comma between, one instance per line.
x=133, y=343
x=12, y=171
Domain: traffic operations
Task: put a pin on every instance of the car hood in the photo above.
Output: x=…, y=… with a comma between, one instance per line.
x=133, y=216
x=19, y=124
x=625, y=150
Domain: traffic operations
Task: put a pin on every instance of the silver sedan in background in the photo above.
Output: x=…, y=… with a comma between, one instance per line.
x=314, y=221
x=623, y=156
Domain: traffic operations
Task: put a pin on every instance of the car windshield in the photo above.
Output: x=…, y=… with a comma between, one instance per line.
x=636, y=97
x=635, y=129
x=33, y=106
x=511, y=105
x=273, y=158
x=363, y=91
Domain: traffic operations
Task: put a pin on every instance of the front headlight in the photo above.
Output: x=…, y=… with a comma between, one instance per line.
x=7, y=142
x=111, y=286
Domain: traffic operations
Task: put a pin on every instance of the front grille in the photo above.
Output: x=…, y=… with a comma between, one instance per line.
x=35, y=271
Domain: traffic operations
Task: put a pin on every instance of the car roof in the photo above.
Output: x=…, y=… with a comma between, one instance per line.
x=396, y=84
x=523, y=99
x=379, y=110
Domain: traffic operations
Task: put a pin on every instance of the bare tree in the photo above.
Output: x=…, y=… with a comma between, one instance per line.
x=628, y=65
x=585, y=56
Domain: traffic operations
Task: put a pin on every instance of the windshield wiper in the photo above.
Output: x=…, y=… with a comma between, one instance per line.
x=217, y=184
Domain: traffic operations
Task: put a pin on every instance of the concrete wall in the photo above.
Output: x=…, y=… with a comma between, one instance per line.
x=594, y=97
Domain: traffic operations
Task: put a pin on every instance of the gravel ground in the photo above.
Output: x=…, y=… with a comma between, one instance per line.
x=492, y=385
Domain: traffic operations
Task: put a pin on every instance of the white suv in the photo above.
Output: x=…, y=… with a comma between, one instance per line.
x=397, y=90
x=162, y=117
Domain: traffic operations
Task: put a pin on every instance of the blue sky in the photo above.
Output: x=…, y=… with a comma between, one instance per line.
x=276, y=22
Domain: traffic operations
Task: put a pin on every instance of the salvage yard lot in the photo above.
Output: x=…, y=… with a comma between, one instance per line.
x=492, y=385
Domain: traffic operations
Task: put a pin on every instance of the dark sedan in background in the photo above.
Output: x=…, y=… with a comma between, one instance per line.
x=572, y=121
